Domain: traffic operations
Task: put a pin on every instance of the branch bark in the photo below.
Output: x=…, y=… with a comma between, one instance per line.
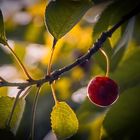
x=96, y=46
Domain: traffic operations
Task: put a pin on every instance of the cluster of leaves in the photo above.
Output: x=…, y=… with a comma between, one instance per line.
x=121, y=120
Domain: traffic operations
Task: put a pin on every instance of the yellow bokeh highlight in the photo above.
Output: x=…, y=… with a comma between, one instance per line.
x=37, y=9
x=3, y=91
x=63, y=87
x=114, y=39
x=95, y=131
x=77, y=74
x=81, y=37
x=49, y=43
x=103, y=133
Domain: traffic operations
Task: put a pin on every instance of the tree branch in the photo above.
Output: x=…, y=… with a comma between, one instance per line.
x=97, y=45
x=4, y=83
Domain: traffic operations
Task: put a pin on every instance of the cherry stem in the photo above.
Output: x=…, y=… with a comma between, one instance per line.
x=13, y=108
x=107, y=62
x=19, y=62
x=34, y=112
x=53, y=93
x=51, y=57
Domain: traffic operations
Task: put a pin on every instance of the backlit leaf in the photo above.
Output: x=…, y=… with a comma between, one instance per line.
x=64, y=121
x=62, y=15
x=6, y=104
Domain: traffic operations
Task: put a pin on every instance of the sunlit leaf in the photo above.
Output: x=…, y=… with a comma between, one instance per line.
x=6, y=104
x=64, y=121
x=3, y=39
x=62, y=15
x=123, y=120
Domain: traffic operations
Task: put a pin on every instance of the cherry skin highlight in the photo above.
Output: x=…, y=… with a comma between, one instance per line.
x=102, y=91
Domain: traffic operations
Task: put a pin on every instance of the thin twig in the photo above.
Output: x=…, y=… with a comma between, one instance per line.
x=24, y=84
x=19, y=61
x=34, y=112
x=13, y=108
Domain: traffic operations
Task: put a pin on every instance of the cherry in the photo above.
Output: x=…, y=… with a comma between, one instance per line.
x=102, y=91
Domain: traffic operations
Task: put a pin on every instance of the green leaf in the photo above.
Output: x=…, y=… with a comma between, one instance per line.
x=6, y=104
x=62, y=15
x=127, y=72
x=117, y=9
x=3, y=39
x=64, y=121
x=122, y=121
x=116, y=42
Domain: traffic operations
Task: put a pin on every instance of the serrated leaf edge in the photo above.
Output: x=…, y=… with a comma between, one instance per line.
x=74, y=114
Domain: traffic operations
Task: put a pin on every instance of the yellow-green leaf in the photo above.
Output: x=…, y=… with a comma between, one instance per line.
x=64, y=121
x=6, y=104
x=3, y=39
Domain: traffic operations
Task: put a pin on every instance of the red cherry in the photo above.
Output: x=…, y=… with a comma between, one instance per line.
x=102, y=91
